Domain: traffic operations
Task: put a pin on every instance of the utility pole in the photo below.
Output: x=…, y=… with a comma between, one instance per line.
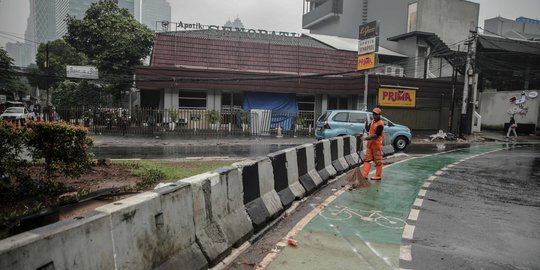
x=366, y=86
x=466, y=107
x=46, y=65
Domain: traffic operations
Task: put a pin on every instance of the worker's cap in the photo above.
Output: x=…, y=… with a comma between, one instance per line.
x=377, y=111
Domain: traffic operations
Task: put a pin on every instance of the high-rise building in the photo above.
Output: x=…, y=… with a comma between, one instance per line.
x=425, y=30
x=154, y=11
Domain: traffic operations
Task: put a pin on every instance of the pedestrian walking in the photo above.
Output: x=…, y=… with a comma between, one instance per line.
x=512, y=127
x=374, y=146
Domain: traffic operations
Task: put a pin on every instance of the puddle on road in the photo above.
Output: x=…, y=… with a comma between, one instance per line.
x=186, y=151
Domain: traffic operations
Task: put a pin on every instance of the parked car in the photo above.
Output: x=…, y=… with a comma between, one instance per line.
x=17, y=113
x=350, y=122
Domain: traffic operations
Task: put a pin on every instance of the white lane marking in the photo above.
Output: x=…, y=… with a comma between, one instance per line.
x=431, y=178
x=405, y=253
x=418, y=202
x=408, y=232
x=426, y=184
x=438, y=172
x=413, y=215
x=422, y=192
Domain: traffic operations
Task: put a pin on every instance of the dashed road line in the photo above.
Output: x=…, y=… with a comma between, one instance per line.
x=413, y=215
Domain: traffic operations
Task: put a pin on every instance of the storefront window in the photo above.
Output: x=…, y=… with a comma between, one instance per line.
x=192, y=100
x=231, y=102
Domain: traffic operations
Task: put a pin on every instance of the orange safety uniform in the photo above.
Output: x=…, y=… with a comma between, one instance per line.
x=374, y=151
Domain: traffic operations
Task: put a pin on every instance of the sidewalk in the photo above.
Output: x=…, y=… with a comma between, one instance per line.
x=365, y=228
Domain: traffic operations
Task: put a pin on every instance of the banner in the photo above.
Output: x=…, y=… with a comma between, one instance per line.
x=396, y=97
x=82, y=72
x=366, y=61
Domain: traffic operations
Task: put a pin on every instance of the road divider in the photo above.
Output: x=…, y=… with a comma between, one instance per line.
x=323, y=160
x=309, y=178
x=286, y=179
x=337, y=156
x=260, y=198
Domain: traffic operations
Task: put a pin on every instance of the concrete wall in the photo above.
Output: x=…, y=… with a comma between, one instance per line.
x=190, y=224
x=494, y=107
x=451, y=20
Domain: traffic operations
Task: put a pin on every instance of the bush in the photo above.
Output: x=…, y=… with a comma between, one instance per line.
x=63, y=147
x=12, y=141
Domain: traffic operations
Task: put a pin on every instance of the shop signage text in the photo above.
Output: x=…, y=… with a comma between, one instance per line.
x=368, y=30
x=396, y=97
x=366, y=61
x=255, y=33
x=82, y=72
x=368, y=45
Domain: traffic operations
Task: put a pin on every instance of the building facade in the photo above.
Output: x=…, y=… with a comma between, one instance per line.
x=404, y=25
x=522, y=27
x=228, y=70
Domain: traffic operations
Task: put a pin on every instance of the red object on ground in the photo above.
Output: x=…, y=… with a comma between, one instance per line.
x=292, y=242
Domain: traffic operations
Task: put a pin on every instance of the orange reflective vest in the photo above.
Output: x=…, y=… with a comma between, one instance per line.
x=378, y=142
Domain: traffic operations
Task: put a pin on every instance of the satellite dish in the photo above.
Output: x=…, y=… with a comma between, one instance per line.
x=533, y=94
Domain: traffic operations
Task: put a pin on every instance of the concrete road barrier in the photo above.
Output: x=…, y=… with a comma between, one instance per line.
x=350, y=151
x=81, y=243
x=309, y=178
x=136, y=223
x=260, y=198
x=337, y=156
x=323, y=160
x=209, y=193
x=176, y=230
x=286, y=179
x=232, y=214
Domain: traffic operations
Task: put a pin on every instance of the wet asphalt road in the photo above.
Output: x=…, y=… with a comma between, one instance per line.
x=484, y=213
x=229, y=150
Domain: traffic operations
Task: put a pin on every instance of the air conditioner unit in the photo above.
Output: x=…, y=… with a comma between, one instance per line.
x=398, y=71
x=389, y=70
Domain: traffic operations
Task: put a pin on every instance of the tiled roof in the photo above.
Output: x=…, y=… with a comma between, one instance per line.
x=232, y=50
x=276, y=39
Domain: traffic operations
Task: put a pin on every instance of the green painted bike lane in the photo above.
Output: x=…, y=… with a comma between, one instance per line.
x=351, y=233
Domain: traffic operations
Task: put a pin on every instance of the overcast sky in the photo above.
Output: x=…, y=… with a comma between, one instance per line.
x=279, y=15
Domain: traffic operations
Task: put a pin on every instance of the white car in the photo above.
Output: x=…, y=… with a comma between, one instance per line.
x=17, y=113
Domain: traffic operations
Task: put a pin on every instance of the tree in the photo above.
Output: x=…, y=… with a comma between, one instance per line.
x=113, y=40
x=61, y=54
x=10, y=82
x=73, y=94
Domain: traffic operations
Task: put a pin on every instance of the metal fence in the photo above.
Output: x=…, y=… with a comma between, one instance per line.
x=188, y=122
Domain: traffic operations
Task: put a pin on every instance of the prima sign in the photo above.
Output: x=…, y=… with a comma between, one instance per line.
x=254, y=33
x=397, y=97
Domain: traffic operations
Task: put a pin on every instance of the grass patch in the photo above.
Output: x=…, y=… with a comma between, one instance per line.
x=154, y=171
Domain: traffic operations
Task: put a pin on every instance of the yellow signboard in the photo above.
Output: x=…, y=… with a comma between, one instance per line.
x=366, y=61
x=395, y=97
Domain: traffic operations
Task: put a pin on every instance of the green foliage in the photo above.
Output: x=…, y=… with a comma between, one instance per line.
x=61, y=54
x=73, y=94
x=112, y=39
x=299, y=120
x=150, y=177
x=12, y=141
x=10, y=83
x=244, y=117
x=63, y=147
x=214, y=117
x=174, y=170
